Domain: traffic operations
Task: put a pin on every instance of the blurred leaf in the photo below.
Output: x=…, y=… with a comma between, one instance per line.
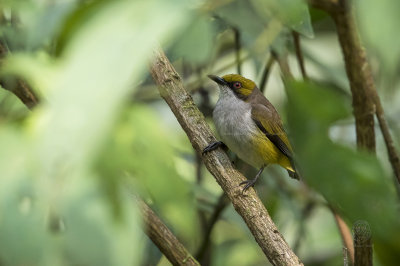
x=353, y=182
x=293, y=13
x=383, y=40
x=260, y=22
x=140, y=147
x=93, y=235
x=74, y=20
x=92, y=79
x=241, y=15
x=22, y=217
x=47, y=22
x=196, y=41
x=56, y=149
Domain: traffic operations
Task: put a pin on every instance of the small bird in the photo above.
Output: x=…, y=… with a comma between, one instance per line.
x=250, y=126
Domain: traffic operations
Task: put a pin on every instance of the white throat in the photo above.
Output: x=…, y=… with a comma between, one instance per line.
x=232, y=118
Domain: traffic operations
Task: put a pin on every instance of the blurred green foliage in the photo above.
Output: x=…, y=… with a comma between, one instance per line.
x=351, y=181
x=378, y=28
x=70, y=169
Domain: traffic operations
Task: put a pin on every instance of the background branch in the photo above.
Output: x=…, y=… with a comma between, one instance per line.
x=266, y=72
x=342, y=226
x=299, y=54
x=248, y=205
x=164, y=239
x=237, y=50
x=359, y=75
x=345, y=233
x=366, y=101
x=393, y=155
x=219, y=208
x=20, y=88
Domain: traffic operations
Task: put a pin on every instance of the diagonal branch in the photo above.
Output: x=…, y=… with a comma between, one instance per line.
x=164, y=239
x=19, y=87
x=249, y=205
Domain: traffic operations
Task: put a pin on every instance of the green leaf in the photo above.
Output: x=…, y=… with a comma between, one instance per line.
x=292, y=13
x=196, y=42
x=93, y=235
x=241, y=15
x=353, y=182
x=140, y=147
x=46, y=22
x=383, y=39
x=22, y=215
x=72, y=220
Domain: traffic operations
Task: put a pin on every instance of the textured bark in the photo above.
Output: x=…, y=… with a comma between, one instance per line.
x=363, y=253
x=164, y=239
x=18, y=87
x=366, y=101
x=359, y=74
x=217, y=162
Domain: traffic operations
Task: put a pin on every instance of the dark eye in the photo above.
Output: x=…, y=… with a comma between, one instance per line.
x=237, y=85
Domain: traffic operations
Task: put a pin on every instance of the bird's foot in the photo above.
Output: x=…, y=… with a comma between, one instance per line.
x=248, y=184
x=213, y=146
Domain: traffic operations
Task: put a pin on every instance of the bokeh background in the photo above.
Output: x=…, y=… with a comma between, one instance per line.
x=101, y=134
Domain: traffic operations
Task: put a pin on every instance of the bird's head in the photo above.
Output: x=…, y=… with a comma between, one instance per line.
x=241, y=86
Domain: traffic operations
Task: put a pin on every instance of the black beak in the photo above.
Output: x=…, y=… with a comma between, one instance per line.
x=218, y=80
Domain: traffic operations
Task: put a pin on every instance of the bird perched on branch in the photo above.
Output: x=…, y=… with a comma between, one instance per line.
x=250, y=126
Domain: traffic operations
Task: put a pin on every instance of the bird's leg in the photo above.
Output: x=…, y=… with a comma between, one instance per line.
x=213, y=146
x=251, y=182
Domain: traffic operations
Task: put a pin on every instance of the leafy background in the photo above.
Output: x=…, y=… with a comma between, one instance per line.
x=101, y=134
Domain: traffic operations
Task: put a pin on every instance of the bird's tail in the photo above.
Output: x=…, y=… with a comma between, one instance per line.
x=293, y=172
x=294, y=175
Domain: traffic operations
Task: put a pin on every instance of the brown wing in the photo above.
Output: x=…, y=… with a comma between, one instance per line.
x=268, y=121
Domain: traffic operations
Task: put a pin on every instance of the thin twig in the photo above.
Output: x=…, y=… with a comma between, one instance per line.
x=164, y=239
x=393, y=155
x=219, y=208
x=283, y=65
x=266, y=72
x=345, y=233
x=237, y=50
x=248, y=205
x=299, y=54
x=307, y=211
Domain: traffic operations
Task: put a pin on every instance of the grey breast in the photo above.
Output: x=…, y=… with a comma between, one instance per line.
x=232, y=118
